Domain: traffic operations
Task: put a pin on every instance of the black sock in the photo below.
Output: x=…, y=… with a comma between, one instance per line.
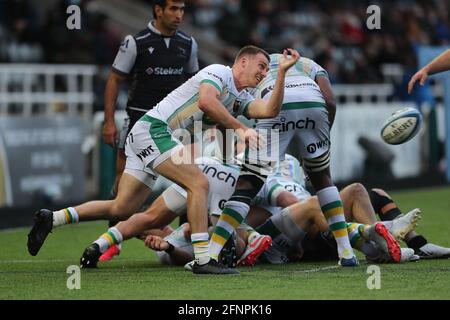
x=182, y=219
x=113, y=222
x=417, y=242
x=268, y=228
x=386, y=209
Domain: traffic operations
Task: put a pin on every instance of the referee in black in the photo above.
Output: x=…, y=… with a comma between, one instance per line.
x=156, y=60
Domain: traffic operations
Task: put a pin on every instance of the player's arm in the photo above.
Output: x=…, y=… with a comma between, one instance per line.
x=122, y=66
x=210, y=104
x=261, y=109
x=178, y=256
x=325, y=87
x=439, y=64
x=192, y=66
x=110, y=96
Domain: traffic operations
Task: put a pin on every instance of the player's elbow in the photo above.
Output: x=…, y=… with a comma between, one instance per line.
x=269, y=112
x=273, y=112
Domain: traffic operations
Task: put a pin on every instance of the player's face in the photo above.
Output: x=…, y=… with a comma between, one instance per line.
x=172, y=15
x=257, y=68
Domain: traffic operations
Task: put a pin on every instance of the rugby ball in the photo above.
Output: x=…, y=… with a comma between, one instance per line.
x=401, y=126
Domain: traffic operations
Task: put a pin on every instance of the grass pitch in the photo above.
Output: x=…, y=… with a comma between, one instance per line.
x=136, y=273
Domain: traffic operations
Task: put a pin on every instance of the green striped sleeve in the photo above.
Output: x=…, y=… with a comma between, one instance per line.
x=212, y=83
x=322, y=73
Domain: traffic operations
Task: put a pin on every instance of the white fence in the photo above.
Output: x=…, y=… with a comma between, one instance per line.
x=363, y=93
x=29, y=89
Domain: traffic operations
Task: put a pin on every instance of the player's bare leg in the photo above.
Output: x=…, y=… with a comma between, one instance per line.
x=157, y=215
x=150, y=222
x=121, y=159
x=132, y=194
x=191, y=178
x=357, y=205
x=373, y=240
x=390, y=213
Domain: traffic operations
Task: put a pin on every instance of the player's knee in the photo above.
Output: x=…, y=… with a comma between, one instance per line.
x=201, y=183
x=120, y=211
x=151, y=221
x=357, y=189
x=197, y=183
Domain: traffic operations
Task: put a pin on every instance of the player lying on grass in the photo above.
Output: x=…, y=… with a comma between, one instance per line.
x=303, y=217
x=289, y=226
x=288, y=176
x=215, y=95
x=388, y=210
x=222, y=179
x=300, y=232
x=175, y=249
x=358, y=205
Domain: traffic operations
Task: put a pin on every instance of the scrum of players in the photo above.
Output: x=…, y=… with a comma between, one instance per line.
x=282, y=222
x=276, y=234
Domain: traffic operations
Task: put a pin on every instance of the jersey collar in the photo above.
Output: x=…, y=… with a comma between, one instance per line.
x=154, y=30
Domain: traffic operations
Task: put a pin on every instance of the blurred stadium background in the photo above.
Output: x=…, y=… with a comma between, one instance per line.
x=52, y=81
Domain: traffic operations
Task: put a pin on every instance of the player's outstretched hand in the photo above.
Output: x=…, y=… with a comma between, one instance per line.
x=290, y=57
x=421, y=76
x=156, y=243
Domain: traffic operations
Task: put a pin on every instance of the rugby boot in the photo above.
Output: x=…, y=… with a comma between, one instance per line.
x=212, y=267
x=90, y=256
x=43, y=224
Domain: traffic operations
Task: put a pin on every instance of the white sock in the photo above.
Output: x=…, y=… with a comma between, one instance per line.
x=106, y=240
x=65, y=216
x=200, y=243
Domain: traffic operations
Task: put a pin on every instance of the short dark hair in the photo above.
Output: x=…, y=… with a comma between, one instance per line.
x=251, y=50
x=161, y=3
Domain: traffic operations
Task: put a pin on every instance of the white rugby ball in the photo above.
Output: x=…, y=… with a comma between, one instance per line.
x=401, y=126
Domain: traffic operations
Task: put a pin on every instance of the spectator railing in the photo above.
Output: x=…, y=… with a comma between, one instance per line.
x=28, y=89
x=363, y=93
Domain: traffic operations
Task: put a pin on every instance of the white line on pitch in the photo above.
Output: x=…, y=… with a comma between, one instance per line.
x=319, y=269
x=64, y=260
x=35, y=261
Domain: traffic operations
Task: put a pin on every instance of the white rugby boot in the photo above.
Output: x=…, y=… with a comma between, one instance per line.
x=432, y=251
x=404, y=224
